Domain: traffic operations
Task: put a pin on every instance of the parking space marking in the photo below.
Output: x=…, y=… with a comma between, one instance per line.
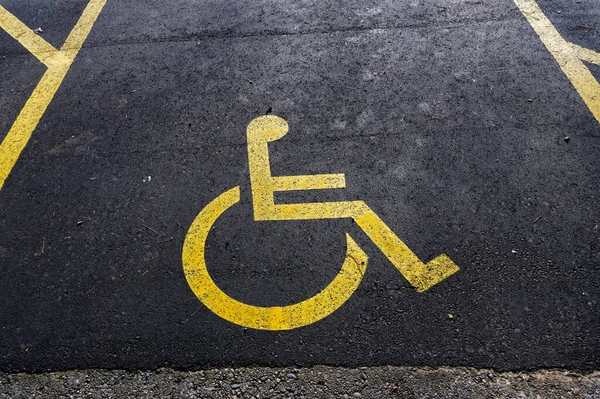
x=58, y=63
x=569, y=56
x=260, y=132
x=40, y=48
x=586, y=54
x=274, y=318
x=269, y=128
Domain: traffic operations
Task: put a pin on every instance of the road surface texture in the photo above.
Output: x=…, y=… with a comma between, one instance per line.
x=316, y=382
x=455, y=122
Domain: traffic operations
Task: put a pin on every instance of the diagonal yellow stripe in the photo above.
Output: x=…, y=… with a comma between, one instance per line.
x=21, y=130
x=586, y=54
x=58, y=63
x=568, y=58
x=37, y=46
x=83, y=28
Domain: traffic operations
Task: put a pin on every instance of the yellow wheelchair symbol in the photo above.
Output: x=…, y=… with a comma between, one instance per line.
x=260, y=132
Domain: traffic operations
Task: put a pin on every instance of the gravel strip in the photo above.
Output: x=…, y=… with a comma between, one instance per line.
x=314, y=382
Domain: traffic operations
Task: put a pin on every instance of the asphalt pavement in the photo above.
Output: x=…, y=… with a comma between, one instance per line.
x=450, y=119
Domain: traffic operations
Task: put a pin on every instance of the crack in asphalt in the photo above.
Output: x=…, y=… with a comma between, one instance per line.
x=228, y=35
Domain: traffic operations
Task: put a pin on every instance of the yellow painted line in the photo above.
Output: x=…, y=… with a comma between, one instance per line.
x=21, y=130
x=568, y=55
x=275, y=318
x=308, y=182
x=420, y=275
x=34, y=43
x=586, y=54
x=82, y=29
x=58, y=63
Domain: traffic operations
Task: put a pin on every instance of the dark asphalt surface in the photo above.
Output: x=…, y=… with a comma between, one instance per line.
x=447, y=117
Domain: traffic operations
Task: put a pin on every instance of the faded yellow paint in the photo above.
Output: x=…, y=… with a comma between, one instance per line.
x=58, y=63
x=34, y=43
x=257, y=317
x=568, y=55
x=420, y=275
x=260, y=132
x=586, y=54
